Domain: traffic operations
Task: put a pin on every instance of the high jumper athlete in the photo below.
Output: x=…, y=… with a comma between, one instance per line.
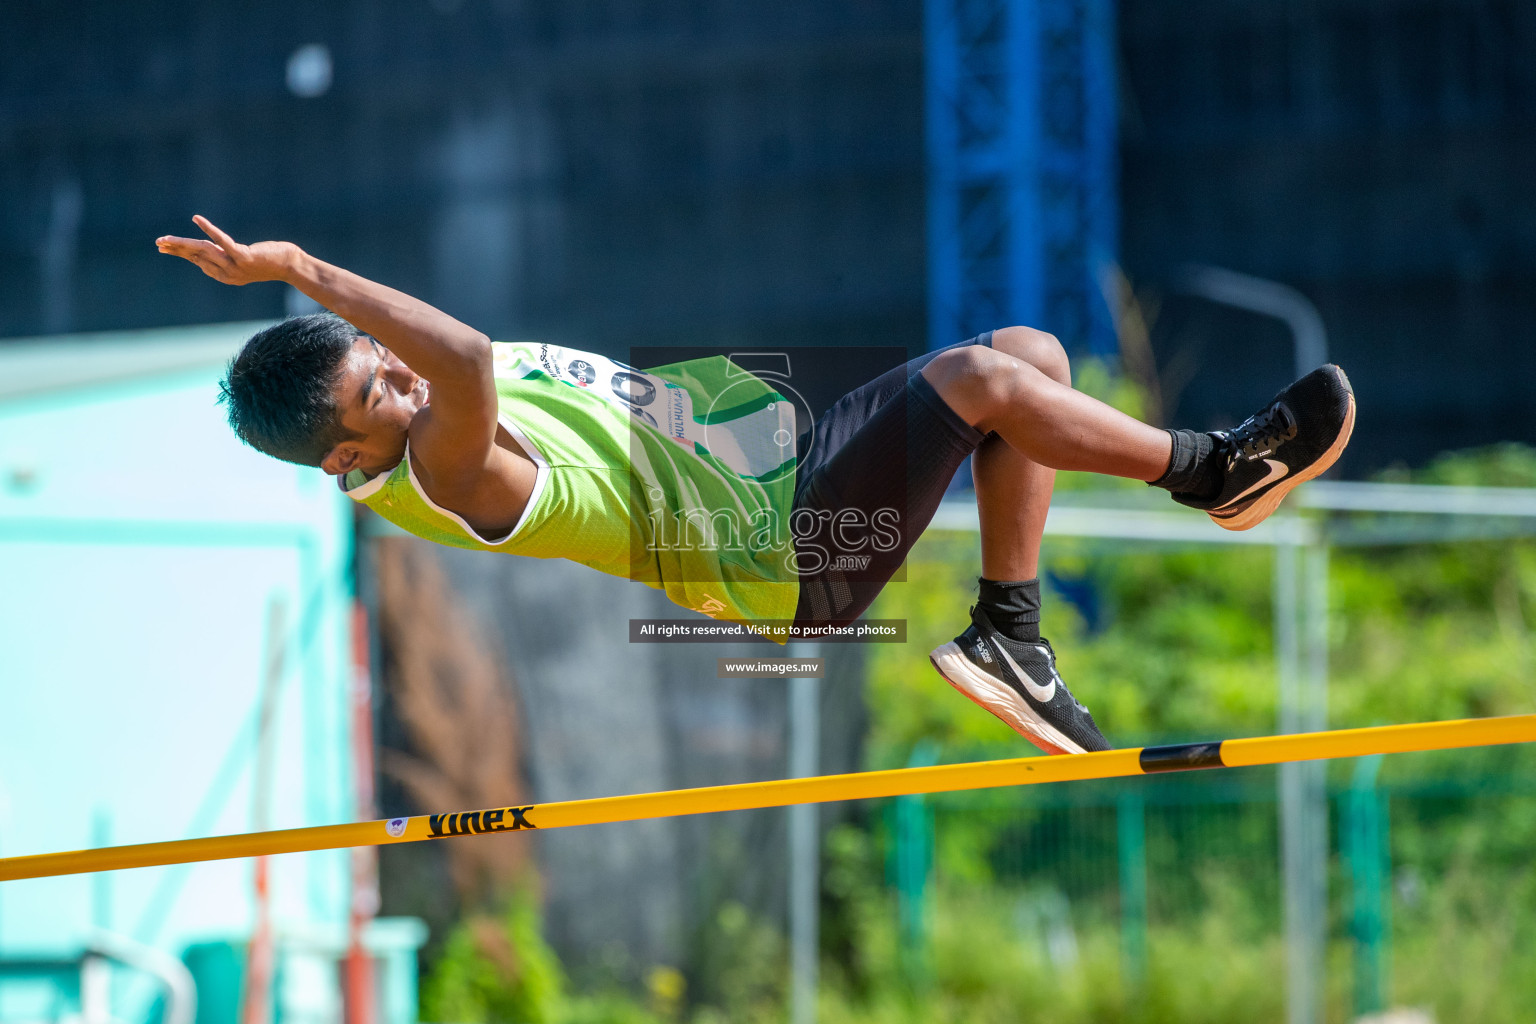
x=696, y=479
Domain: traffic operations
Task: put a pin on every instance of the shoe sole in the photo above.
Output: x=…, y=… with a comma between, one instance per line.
x=998, y=698
x=1263, y=506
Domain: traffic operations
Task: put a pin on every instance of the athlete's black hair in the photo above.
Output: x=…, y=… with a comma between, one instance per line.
x=278, y=388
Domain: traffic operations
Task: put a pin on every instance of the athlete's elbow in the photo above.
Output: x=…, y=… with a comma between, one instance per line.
x=477, y=346
x=473, y=354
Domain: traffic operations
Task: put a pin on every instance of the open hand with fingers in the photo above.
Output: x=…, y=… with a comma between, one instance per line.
x=226, y=260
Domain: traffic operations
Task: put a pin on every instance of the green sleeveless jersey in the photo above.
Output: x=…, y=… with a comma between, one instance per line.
x=681, y=477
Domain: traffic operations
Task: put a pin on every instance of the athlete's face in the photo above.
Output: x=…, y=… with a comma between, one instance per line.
x=378, y=395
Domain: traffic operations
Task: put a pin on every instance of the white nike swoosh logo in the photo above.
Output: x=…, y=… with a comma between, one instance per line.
x=1043, y=694
x=1276, y=471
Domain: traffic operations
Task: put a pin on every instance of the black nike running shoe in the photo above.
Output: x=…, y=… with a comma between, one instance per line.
x=1018, y=683
x=1294, y=438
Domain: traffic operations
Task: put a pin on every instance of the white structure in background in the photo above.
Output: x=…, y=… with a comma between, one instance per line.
x=141, y=546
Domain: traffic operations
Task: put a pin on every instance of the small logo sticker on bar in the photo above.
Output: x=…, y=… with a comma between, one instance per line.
x=395, y=827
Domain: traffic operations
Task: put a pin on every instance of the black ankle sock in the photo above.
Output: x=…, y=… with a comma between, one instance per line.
x=1012, y=606
x=1192, y=470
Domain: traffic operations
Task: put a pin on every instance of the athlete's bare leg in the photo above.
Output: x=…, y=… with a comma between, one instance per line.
x=1021, y=388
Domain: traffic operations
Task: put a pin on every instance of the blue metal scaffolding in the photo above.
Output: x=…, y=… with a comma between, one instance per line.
x=1022, y=211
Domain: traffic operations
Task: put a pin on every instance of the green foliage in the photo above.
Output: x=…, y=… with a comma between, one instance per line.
x=1015, y=951
x=1499, y=465
x=609, y=1008
x=1418, y=632
x=994, y=958
x=497, y=969
x=742, y=969
x=1462, y=936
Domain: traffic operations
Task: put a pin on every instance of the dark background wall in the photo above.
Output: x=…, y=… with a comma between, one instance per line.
x=611, y=173
x=1378, y=156
x=594, y=173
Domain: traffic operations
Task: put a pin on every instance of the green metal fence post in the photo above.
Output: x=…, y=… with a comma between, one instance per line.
x=1369, y=860
x=1131, y=829
x=914, y=863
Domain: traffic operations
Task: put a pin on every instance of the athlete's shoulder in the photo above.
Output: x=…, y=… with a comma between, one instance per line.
x=535, y=358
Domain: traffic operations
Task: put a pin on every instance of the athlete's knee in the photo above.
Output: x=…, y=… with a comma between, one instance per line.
x=977, y=381
x=1038, y=349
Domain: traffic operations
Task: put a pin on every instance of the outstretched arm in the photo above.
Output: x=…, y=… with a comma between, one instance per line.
x=459, y=436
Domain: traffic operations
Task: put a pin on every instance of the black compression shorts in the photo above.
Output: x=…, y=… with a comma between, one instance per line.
x=872, y=472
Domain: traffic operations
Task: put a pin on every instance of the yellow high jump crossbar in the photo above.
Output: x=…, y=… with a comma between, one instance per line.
x=1024, y=771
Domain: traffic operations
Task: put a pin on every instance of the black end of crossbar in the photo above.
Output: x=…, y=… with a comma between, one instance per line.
x=1181, y=757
